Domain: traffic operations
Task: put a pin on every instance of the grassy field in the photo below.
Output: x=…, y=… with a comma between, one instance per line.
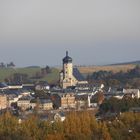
x=7, y=72
x=52, y=77
x=113, y=68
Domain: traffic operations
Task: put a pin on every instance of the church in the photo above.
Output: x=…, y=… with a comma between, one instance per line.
x=70, y=76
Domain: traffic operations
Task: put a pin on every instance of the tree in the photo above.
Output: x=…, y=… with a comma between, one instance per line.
x=48, y=69
x=8, y=127
x=103, y=132
x=11, y=65
x=2, y=65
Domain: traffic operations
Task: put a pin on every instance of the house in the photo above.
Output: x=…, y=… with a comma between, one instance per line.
x=15, y=86
x=70, y=76
x=42, y=85
x=28, y=86
x=13, y=98
x=81, y=101
x=14, y=95
x=33, y=103
x=132, y=93
x=24, y=103
x=46, y=104
x=108, y=95
x=43, y=104
x=3, y=86
x=86, y=86
x=135, y=109
x=60, y=116
x=3, y=101
x=114, y=92
x=64, y=100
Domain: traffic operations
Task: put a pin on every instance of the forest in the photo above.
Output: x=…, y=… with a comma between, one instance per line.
x=129, y=79
x=77, y=126
x=116, y=105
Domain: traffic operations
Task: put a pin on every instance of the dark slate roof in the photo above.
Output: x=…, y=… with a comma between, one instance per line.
x=15, y=92
x=78, y=75
x=3, y=85
x=81, y=97
x=62, y=114
x=25, y=98
x=33, y=101
x=67, y=59
x=43, y=101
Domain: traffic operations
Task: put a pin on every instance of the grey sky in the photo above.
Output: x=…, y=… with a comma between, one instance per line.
x=38, y=32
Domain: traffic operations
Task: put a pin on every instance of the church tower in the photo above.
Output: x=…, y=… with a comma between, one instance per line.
x=66, y=75
x=67, y=67
x=70, y=76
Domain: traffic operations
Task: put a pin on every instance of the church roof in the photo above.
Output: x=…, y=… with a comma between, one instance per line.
x=3, y=85
x=67, y=59
x=78, y=75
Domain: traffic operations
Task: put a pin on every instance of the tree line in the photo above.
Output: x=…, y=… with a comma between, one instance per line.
x=116, y=105
x=77, y=126
x=9, y=65
x=129, y=79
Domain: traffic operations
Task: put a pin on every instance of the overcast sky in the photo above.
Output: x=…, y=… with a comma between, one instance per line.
x=38, y=32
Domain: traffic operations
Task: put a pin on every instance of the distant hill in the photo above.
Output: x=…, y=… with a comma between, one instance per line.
x=33, y=67
x=128, y=63
x=30, y=71
x=113, y=68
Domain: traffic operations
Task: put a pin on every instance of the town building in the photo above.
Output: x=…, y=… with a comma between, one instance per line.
x=15, y=86
x=64, y=100
x=24, y=103
x=81, y=101
x=46, y=104
x=3, y=87
x=42, y=85
x=121, y=93
x=33, y=103
x=134, y=93
x=70, y=76
x=3, y=102
x=60, y=116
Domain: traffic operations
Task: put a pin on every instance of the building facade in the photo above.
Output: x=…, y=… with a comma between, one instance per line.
x=64, y=100
x=3, y=102
x=24, y=103
x=46, y=104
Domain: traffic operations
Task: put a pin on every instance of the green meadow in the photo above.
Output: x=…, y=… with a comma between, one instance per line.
x=52, y=77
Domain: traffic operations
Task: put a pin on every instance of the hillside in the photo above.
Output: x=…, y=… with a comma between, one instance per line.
x=54, y=75
x=8, y=72
x=128, y=63
x=117, y=67
x=113, y=68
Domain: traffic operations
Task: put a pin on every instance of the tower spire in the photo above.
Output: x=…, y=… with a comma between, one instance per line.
x=66, y=53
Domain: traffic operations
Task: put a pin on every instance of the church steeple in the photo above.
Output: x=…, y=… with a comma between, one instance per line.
x=66, y=53
x=67, y=59
x=68, y=75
